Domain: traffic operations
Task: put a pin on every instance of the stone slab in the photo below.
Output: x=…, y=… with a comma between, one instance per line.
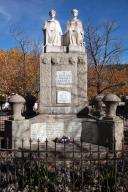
x=63, y=78
x=55, y=49
x=90, y=132
x=112, y=130
x=103, y=132
x=47, y=130
x=78, y=48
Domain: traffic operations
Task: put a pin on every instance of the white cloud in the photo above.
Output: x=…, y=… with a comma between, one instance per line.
x=4, y=13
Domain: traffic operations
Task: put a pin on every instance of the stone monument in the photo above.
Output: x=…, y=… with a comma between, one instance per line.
x=63, y=96
x=63, y=87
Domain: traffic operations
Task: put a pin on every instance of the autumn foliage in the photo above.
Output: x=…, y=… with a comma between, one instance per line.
x=117, y=84
x=18, y=75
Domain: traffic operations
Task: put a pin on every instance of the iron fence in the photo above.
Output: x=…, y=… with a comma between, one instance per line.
x=71, y=166
x=62, y=167
x=5, y=114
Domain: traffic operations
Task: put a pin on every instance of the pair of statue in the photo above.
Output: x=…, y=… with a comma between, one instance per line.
x=53, y=34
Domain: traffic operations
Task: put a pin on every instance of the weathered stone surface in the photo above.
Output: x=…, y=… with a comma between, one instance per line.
x=77, y=48
x=55, y=49
x=112, y=132
x=15, y=132
x=42, y=127
x=59, y=125
x=103, y=132
x=90, y=133
x=55, y=68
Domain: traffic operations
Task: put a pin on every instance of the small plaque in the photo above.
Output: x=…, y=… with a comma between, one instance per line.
x=63, y=78
x=38, y=131
x=49, y=130
x=63, y=97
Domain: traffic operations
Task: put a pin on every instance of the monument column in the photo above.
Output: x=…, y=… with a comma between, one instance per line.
x=63, y=82
x=63, y=70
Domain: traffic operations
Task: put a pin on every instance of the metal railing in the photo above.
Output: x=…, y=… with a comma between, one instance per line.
x=63, y=167
x=5, y=114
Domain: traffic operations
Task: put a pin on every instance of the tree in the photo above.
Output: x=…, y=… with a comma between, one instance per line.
x=27, y=76
x=103, y=51
x=9, y=67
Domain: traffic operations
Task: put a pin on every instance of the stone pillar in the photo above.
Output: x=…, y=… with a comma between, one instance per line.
x=18, y=103
x=106, y=131
x=111, y=127
x=63, y=83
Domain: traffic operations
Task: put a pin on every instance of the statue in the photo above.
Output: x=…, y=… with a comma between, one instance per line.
x=74, y=33
x=52, y=31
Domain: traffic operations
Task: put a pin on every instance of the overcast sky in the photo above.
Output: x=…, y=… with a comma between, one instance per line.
x=31, y=14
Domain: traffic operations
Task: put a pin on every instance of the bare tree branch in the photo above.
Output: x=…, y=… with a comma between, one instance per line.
x=103, y=50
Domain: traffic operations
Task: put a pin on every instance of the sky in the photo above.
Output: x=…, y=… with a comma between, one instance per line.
x=31, y=14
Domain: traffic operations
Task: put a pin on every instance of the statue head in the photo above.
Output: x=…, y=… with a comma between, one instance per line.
x=52, y=13
x=74, y=12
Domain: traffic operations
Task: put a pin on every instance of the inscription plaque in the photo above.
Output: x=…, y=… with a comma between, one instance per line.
x=63, y=78
x=38, y=131
x=63, y=97
x=42, y=131
x=55, y=129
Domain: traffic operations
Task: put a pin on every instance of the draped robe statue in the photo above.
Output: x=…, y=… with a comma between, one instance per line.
x=75, y=32
x=52, y=31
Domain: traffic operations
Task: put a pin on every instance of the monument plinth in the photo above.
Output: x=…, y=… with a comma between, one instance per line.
x=63, y=83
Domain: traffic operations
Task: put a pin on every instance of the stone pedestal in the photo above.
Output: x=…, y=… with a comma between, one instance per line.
x=41, y=127
x=63, y=83
x=104, y=132
x=55, y=49
x=112, y=132
x=15, y=132
x=78, y=48
x=90, y=131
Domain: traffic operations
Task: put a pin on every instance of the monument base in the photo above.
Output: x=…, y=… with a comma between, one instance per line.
x=62, y=110
x=77, y=48
x=63, y=83
x=42, y=127
x=108, y=133
x=55, y=49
